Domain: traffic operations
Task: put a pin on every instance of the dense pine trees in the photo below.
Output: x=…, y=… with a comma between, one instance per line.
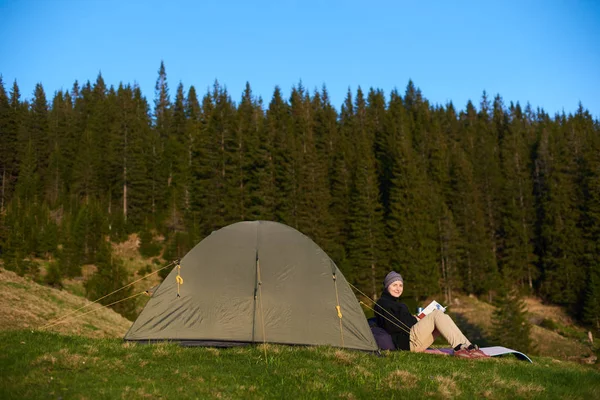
x=456, y=200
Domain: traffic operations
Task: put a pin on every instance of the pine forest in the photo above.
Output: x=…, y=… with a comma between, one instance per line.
x=494, y=198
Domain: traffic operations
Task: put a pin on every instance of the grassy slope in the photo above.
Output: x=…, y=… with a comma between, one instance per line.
x=566, y=341
x=25, y=304
x=48, y=365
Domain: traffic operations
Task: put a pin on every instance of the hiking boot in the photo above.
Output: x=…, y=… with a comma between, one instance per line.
x=463, y=353
x=462, y=350
x=478, y=354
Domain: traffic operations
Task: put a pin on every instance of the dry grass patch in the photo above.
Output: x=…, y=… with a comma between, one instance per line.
x=65, y=359
x=539, y=311
x=269, y=348
x=315, y=385
x=127, y=249
x=161, y=350
x=400, y=379
x=519, y=388
x=476, y=312
x=240, y=350
x=359, y=370
x=447, y=387
x=344, y=357
x=91, y=349
x=44, y=359
x=213, y=351
x=73, y=361
x=549, y=343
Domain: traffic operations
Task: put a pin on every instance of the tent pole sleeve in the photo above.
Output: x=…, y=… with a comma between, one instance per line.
x=255, y=296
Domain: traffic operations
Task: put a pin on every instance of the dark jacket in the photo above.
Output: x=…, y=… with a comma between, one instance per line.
x=397, y=324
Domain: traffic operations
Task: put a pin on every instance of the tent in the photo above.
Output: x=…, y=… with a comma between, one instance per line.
x=255, y=282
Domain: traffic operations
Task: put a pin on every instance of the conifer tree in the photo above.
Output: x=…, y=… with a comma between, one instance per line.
x=516, y=257
x=441, y=144
x=139, y=178
x=204, y=170
x=61, y=136
x=591, y=305
x=37, y=129
x=366, y=240
x=70, y=256
x=278, y=126
x=411, y=227
x=194, y=121
x=340, y=178
x=590, y=223
x=158, y=167
x=476, y=263
x=175, y=163
x=560, y=244
x=8, y=146
x=385, y=145
x=511, y=327
x=110, y=276
x=312, y=199
x=449, y=242
x=14, y=241
x=85, y=181
x=485, y=159
x=252, y=156
x=326, y=141
x=215, y=163
x=89, y=178
x=126, y=162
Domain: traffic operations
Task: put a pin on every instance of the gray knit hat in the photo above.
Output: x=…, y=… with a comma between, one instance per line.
x=391, y=278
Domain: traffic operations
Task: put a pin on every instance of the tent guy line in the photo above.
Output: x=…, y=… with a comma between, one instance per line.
x=56, y=321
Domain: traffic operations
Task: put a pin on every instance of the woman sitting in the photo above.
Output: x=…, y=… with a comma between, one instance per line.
x=410, y=333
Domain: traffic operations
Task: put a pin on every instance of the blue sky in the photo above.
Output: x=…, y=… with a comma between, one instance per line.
x=546, y=53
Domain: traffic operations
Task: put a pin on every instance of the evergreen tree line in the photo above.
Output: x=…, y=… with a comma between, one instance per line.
x=481, y=201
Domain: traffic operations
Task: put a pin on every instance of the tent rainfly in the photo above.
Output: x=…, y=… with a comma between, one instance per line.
x=255, y=282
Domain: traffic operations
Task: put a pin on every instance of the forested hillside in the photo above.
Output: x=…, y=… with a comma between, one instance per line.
x=482, y=200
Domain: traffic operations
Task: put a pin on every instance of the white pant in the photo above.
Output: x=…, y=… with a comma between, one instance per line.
x=424, y=332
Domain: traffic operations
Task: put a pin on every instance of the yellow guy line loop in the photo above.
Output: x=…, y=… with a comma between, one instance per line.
x=178, y=278
x=338, y=308
x=103, y=297
x=99, y=308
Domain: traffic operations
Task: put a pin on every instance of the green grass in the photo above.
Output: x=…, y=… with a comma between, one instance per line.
x=45, y=365
x=14, y=285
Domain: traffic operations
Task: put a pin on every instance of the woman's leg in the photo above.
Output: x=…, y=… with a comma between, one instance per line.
x=422, y=333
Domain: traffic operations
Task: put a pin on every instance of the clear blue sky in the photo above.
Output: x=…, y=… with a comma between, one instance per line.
x=543, y=52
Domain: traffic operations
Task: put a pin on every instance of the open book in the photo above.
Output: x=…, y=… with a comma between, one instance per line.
x=434, y=305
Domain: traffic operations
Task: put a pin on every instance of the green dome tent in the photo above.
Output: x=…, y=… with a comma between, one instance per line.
x=255, y=282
